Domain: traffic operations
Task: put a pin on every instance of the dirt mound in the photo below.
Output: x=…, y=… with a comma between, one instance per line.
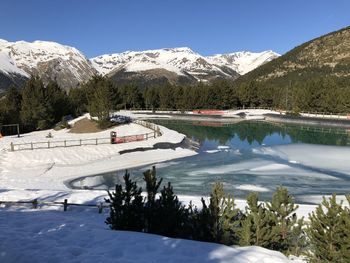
x=85, y=126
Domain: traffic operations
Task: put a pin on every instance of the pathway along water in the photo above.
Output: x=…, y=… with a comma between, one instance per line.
x=251, y=156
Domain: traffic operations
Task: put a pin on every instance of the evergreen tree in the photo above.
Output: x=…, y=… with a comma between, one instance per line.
x=126, y=207
x=100, y=97
x=286, y=232
x=328, y=232
x=171, y=216
x=221, y=217
x=152, y=186
x=257, y=225
x=78, y=100
x=57, y=101
x=36, y=113
x=151, y=97
x=11, y=106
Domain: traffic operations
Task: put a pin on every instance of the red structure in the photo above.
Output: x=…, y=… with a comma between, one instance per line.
x=131, y=138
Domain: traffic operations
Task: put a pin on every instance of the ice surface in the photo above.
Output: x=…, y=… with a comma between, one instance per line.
x=321, y=157
x=220, y=147
x=212, y=151
x=252, y=188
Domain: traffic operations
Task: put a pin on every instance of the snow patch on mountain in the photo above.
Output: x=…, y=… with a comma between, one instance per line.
x=243, y=62
x=8, y=67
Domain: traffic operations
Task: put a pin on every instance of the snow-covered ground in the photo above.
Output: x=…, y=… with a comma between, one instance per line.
x=49, y=168
x=81, y=236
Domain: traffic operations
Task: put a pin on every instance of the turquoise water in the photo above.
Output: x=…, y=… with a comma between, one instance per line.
x=231, y=153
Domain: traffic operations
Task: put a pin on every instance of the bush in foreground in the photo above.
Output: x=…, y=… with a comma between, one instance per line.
x=273, y=225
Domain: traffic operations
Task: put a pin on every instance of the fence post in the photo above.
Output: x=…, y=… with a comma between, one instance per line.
x=154, y=134
x=65, y=205
x=96, y=141
x=35, y=203
x=65, y=143
x=80, y=142
x=12, y=147
x=100, y=208
x=146, y=136
x=31, y=146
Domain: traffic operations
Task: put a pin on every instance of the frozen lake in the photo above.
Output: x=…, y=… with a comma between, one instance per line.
x=252, y=156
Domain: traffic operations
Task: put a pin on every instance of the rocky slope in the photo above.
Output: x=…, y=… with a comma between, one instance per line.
x=328, y=55
x=49, y=60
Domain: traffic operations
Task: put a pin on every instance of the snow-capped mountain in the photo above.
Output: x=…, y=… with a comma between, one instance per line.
x=69, y=67
x=182, y=62
x=243, y=62
x=49, y=60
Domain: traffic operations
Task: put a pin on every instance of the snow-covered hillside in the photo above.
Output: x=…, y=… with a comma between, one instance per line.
x=49, y=60
x=243, y=62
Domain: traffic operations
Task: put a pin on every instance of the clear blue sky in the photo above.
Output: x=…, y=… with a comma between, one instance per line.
x=207, y=26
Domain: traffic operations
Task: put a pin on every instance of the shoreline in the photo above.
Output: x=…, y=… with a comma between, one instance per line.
x=267, y=117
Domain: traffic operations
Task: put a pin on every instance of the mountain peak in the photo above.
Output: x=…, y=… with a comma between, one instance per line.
x=49, y=60
x=243, y=61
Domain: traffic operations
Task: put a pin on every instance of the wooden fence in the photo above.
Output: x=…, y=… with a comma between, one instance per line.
x=65, y=204
x=93, y=141
x=81, y=142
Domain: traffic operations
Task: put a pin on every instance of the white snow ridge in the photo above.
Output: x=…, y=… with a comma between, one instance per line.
x=243, y=62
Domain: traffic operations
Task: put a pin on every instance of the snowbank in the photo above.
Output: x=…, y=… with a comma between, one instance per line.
x=250, y=114
x=49, y=168
x=81, y=236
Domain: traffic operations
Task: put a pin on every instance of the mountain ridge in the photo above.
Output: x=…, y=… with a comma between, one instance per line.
x=69, y=67
x=182, y=61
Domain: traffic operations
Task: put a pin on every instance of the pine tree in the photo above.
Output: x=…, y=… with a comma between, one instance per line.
x=230, y=221
x=345, y=226
x=220, y=219
x=57, y=101
x=201, y=223
x=11, y=106
x=256, y=226
x=286, y=232
x=152, y=186
x=328, y=232
x=35, y=111
x=171, y=216
x=126, y=207
x=100, y=98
